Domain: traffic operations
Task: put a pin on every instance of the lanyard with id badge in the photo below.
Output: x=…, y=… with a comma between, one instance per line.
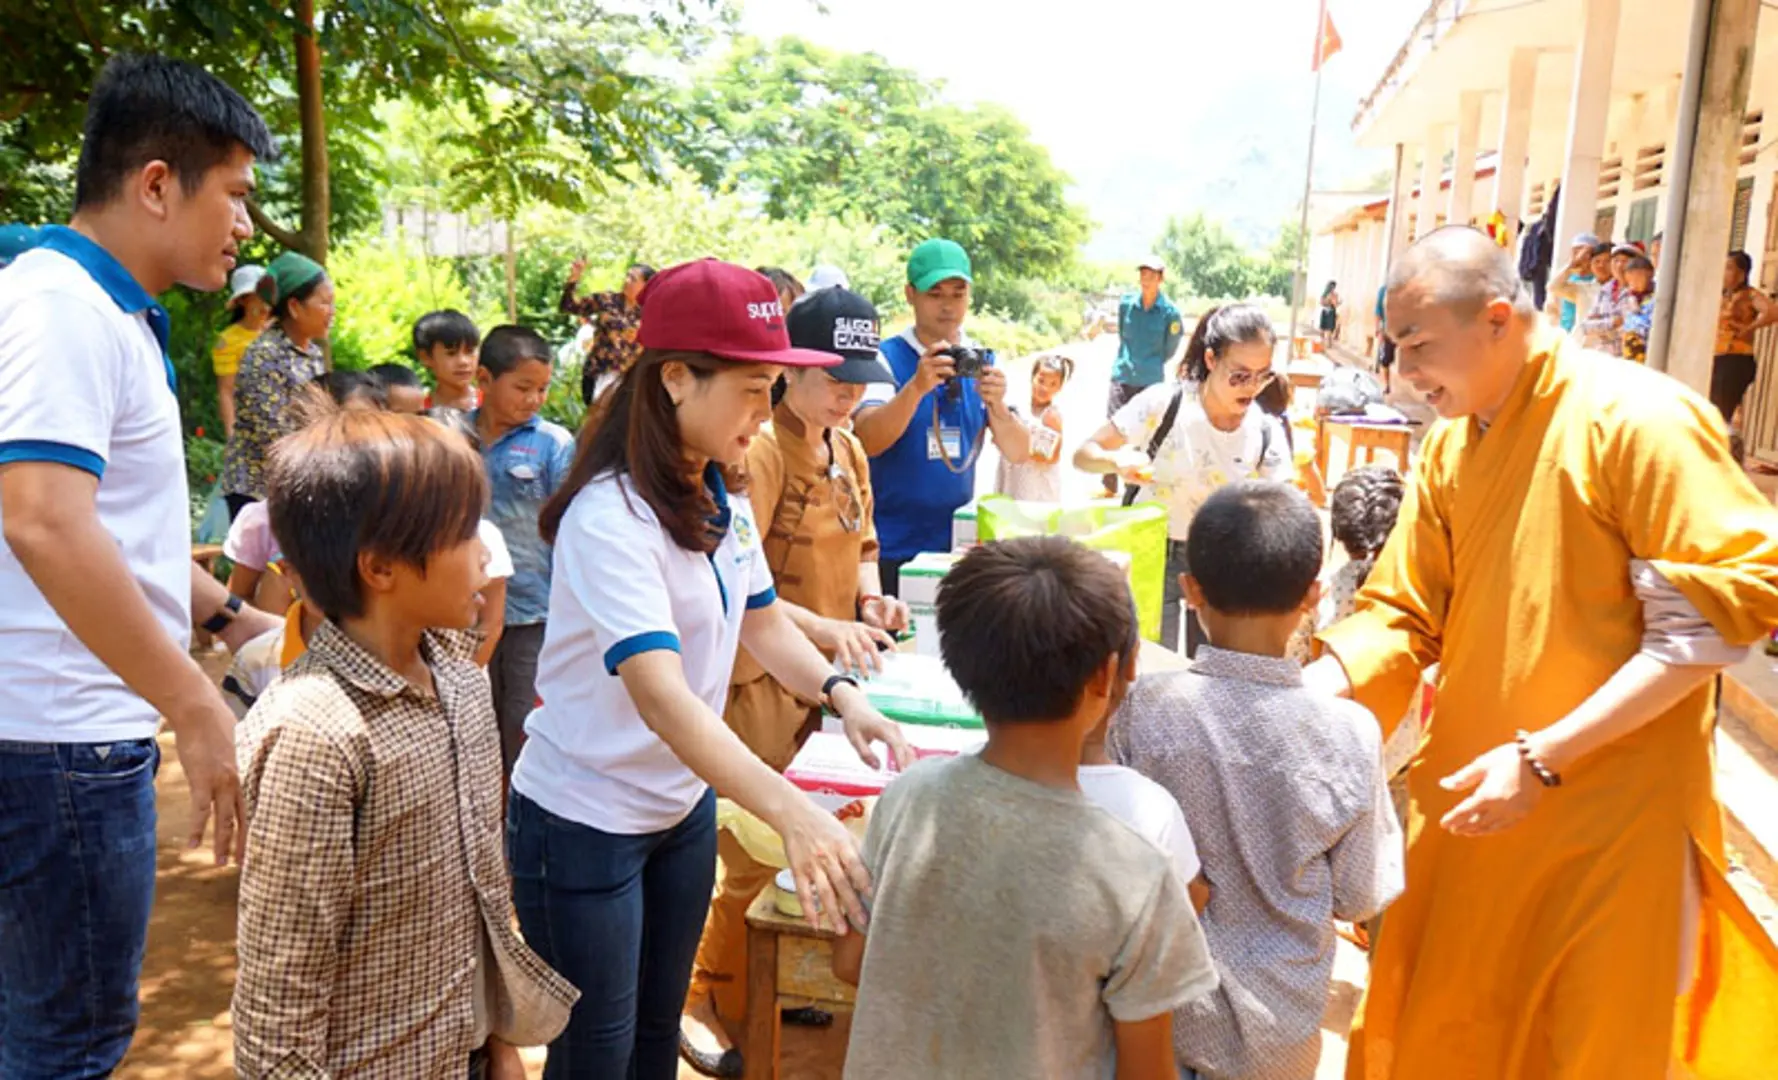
x=945, y=442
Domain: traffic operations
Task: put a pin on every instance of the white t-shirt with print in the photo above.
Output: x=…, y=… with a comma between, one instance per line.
x=1034, y=481
x=1196, y=457
x=620, y=586
x=1145, y=806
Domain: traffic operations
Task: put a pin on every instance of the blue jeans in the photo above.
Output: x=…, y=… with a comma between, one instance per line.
x=76, y=884
x=620, y=918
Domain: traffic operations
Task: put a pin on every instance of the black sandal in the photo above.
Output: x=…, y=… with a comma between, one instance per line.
x=807, y=1016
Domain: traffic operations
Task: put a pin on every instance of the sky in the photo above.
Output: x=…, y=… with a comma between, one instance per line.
x=1155, y=107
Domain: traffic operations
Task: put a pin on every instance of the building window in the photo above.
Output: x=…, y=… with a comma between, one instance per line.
x=1642, y=220
x=1604, y=221
x=1743, y=206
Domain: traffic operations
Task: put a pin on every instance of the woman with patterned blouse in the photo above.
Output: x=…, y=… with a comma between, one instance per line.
x=275, y=371
x=615, y=317
x=1745, y=311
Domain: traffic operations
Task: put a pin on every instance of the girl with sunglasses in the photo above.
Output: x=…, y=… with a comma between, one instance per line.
x=809, y=483
x=1178, y=442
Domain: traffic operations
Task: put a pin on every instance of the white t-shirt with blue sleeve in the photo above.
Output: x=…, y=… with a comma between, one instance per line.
x=619, y=587
x=85, y=383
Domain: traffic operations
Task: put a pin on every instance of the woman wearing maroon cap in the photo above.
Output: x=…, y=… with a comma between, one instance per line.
x=659, y=577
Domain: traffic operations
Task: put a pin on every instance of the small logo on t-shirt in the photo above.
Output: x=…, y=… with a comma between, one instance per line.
x=743, y=531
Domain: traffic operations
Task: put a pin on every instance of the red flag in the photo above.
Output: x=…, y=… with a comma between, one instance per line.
x=1327, y=42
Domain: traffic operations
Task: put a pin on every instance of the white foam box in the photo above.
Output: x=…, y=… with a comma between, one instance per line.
x=827, y=769
x=920, y=576
x=920, y=580
x=963, y=530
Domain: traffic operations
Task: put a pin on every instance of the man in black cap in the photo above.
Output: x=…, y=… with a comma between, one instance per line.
x=808, y=479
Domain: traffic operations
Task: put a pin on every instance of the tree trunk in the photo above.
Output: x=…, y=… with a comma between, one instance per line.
x=317, y=203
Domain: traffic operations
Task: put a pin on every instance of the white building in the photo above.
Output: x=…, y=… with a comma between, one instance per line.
x=1647, y=113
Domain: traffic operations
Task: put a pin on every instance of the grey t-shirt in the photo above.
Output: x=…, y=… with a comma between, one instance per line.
x=1012, y=924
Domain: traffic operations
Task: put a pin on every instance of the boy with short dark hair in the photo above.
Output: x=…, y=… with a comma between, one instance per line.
x=403, y=392
x=1283, y=788
x=352, y=389
x=527, y=459
x=444, y=344
x=370, y=774
x=1017, y=929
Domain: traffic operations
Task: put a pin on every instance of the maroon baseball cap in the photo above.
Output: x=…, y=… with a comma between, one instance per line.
x=728, y=311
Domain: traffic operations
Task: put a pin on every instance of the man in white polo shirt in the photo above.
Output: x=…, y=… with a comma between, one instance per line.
x=97, y=587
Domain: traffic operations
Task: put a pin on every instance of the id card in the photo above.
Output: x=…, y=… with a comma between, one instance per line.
x=952, y=446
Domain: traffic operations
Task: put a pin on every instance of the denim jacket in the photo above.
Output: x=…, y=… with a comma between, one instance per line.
x=525, y=467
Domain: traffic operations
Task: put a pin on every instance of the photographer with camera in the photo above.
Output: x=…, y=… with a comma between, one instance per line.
x=924, y=432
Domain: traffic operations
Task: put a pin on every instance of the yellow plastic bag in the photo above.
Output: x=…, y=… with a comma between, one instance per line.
x=757, y=839
x=1139, y=531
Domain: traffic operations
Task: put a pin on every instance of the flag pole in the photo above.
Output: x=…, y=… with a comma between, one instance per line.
x=1300, y=279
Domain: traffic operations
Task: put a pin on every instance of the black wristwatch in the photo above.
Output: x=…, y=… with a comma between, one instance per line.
x=827, y=688
x=218, y=622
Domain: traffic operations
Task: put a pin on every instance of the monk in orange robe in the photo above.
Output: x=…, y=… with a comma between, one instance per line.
x=1580, y=555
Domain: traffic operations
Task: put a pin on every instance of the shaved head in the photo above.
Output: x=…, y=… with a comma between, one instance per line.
x=1460, y=320
x=1460, y=269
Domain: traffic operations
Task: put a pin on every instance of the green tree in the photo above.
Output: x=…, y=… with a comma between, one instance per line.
x=811, y=132
x=533, y=78
x=1277, y=269
x=1207, y=258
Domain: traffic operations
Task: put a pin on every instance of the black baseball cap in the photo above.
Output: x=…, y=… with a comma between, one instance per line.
x=839, y=321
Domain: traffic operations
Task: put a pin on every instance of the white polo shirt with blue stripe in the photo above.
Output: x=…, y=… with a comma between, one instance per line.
x=619, y=587
x=85, y=382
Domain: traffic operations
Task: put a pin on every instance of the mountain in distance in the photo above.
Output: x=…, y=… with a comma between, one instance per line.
x=1239, y=160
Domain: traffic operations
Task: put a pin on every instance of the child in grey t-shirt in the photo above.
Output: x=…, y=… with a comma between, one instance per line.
x=1016, y=928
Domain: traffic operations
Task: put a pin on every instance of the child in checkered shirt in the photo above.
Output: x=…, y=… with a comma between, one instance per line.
x=376, y=920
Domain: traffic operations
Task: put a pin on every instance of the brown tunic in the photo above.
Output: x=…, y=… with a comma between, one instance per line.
x=818, y=529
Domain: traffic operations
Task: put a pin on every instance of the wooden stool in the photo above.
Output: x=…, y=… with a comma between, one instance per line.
x=1361, y=438
x=789, y=965
x=205, y=555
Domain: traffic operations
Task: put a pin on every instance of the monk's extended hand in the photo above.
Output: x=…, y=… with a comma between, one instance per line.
x=1504, y=791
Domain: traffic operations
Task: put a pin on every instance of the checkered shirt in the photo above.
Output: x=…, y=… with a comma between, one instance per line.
x=1284, y=793
x=375, y=888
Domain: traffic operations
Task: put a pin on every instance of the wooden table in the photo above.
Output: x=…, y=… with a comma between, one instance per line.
x=1361, y=438
x=205, y=555
x=1305, y=376
x=789, y=965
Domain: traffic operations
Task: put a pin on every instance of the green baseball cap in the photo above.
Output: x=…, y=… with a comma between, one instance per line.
x=935, y=261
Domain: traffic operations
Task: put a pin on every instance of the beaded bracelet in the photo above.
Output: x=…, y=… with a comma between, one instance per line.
x=1545, y=775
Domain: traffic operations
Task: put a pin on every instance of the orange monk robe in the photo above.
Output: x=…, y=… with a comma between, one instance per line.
x=1553, y=949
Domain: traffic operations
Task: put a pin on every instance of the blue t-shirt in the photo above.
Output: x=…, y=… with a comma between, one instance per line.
x=1569, y=314
x=525, y=467
x=1146, y=338
x=916, y=493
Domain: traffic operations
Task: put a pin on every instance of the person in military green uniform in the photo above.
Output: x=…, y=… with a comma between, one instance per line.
x=1149, y=331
